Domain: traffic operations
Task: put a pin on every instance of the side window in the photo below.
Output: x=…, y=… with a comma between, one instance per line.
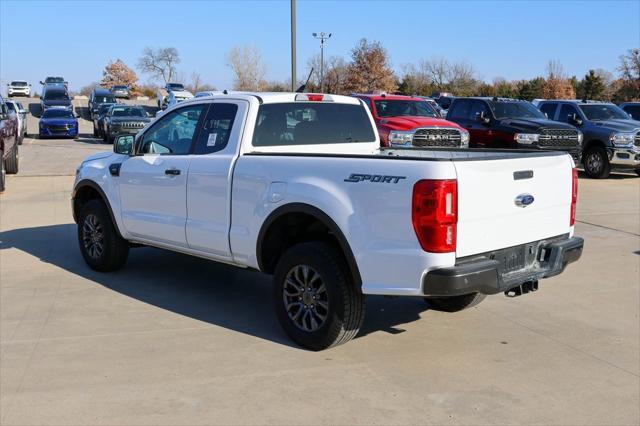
x=216, y=128
x=174, y=133
x=567, y=111
x=460, y=110
x=634, y=110
x=550, y=110
x=478, y=108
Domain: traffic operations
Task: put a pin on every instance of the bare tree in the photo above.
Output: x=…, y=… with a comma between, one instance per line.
x=248, y=66
x=160, y=63
x=197, y=84
x=630, y=65
x=557, y=85
x=335, y=74
x=436, y=69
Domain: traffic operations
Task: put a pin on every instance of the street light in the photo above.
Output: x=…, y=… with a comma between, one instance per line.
x=322, y=37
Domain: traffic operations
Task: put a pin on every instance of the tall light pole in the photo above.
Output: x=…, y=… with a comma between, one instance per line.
x=293, y=46
x=322, y=37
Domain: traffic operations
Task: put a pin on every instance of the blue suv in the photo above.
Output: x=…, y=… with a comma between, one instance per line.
x=611, y=136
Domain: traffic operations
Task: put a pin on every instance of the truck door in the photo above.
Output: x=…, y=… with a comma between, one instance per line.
x=153, y=183
x=210, y=178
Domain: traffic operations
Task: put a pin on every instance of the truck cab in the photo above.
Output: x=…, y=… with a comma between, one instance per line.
x=611, y=136
x=410, y=121
x=513, y=124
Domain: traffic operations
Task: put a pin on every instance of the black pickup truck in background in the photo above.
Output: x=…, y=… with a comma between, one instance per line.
x=511, y=123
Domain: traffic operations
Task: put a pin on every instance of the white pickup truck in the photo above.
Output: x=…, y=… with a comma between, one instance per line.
x=171, y=94
x=296, y=185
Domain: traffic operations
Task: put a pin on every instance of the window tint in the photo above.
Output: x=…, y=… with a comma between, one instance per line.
x=173, y=134
x=549, y=109
x=308, y=123
x=398, y=108
x=11, y=106
x=478, y=108
x=567, y=111
x=216, y=128
x=460, y=110
x=634, y=110
x=603, y=112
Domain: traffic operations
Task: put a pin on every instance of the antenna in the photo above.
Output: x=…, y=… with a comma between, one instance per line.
x=302, y=88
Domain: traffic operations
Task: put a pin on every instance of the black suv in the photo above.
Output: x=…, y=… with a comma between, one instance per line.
x=97, y=97
x=512, y=123
x=611, y=136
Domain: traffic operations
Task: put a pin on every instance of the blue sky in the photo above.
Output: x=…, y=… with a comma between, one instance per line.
x=511, y=39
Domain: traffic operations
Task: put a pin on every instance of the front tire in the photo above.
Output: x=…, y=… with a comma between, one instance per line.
x=454, y=303
x=596, y=163
x=101, y=246
x=317, y=303
x=11, y=164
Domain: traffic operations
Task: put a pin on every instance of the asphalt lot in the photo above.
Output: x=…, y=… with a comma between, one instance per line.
x=172, y=339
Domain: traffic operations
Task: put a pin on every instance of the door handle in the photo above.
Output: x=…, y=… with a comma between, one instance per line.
x=172, y=172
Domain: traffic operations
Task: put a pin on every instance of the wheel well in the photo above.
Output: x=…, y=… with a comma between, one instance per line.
x=592, y=143
x=284, y=230
x=82, y=196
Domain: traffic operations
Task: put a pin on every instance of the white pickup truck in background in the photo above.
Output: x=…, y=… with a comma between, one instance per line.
x=171, y=94
x=296, y=185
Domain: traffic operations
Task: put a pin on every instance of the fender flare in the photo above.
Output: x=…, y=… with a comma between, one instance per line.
x=318, y=214
x=84, y=183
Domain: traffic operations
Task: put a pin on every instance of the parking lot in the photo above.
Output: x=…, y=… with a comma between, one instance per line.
x=172, y=339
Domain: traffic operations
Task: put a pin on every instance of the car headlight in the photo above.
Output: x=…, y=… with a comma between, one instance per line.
x=622, y=139
x=464, y=138
x=526, y=138
x=399, y=138
x=580, y=137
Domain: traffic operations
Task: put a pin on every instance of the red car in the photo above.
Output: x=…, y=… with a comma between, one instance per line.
x=408, y=121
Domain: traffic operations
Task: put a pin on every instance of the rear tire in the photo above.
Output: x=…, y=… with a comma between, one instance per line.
x=454, y=303
x=317, y=303
x=101, y=246
x=11, y=163
x=596, y=163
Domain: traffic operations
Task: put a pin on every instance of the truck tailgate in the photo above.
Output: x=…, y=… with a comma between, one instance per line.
x=488, y=215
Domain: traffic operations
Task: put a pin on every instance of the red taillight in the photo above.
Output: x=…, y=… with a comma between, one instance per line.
x=574, y=196
x=435, y=214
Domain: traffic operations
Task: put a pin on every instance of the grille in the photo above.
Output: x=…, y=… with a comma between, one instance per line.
x=558, y=137
x=437, y=136
x=58, y=127
x=132, y=125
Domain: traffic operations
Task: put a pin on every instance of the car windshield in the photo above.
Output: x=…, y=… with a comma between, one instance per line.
x=597, y=112
x=57, y=113
x=56, y=95
x=104, y=108
x=309, y=123
x=118, y=87
x=54, y=80
x=11, y=106
x=19, y=83
x=176, y=86
x=127, y=112
x=99, y=99
x=399, y=108
x=516, y=109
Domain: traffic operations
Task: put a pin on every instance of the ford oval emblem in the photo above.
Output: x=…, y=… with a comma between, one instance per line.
x=524, y=200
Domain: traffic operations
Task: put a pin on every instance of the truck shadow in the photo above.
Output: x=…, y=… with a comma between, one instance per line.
x=222, y=295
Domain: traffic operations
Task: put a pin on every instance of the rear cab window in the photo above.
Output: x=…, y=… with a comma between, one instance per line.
x=312, y=123
x=549, y=109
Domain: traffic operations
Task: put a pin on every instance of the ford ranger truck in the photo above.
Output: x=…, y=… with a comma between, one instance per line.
x=513, y=124
x=296, y=185
x=408, y=121
x=611, y=136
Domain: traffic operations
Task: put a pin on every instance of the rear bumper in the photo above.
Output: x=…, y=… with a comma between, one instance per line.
x=487, y=275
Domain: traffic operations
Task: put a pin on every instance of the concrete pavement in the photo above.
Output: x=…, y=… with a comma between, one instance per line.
x=172, y=339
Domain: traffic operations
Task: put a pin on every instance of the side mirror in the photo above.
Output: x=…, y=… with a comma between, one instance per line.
x=575, y=119
x=480, y=118
x=123, y=144
x=22, y=111
x=3, y=116
x=41, y=82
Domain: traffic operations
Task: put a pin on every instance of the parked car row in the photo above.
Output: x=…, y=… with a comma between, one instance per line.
x=9, y=140
x=600, y=135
